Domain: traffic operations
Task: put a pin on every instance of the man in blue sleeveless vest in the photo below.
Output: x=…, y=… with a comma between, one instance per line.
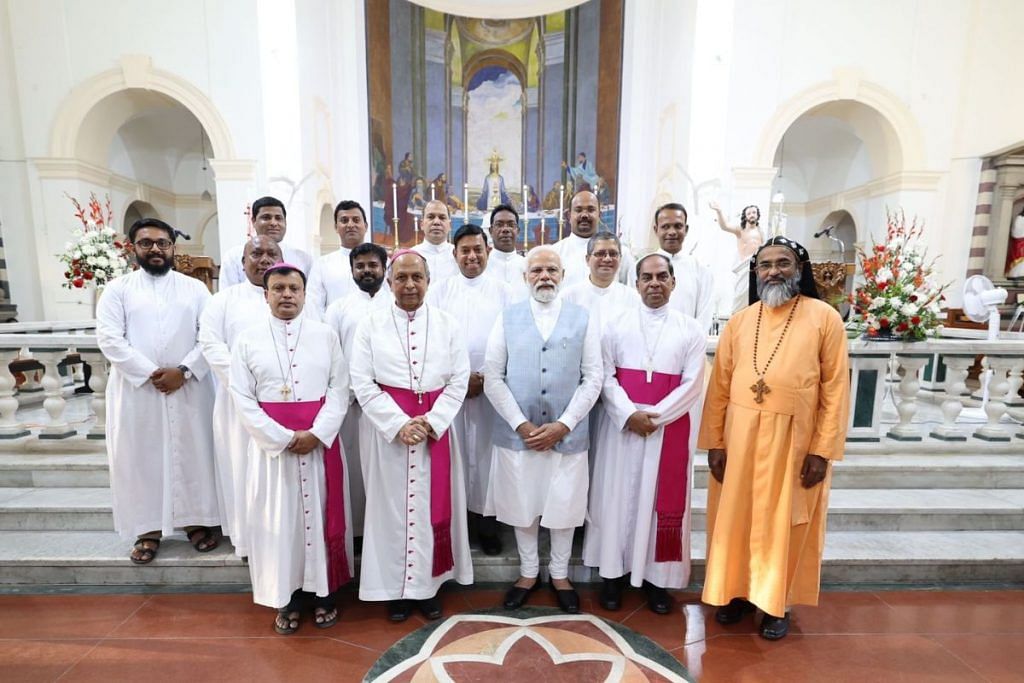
x=542, y=373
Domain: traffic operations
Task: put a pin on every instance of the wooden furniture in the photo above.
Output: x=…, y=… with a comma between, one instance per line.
x=201, y=268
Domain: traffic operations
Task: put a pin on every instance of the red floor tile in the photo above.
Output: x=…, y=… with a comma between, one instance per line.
x=198, y=616
x=29, y=660
x=65, y=616
x=999, y=658
x=813, y=659
x=958, y=611
x=274, y=658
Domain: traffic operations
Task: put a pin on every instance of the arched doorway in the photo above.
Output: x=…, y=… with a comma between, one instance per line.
x=329, y=240
x=833, y=162
x=138, y=210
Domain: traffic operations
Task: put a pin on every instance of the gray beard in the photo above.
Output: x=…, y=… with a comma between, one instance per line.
x=545, y=296
x=775, y=294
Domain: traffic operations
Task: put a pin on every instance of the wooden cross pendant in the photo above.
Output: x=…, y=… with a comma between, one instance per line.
x=760, y=389
x=286, y=391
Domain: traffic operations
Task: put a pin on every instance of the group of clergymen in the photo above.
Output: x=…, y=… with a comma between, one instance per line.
x=386, y=396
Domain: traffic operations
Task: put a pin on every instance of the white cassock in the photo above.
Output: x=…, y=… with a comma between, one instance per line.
x=694, y=293
x=232, y=272
x=548, y=484
x=286, y=494
x=622, y=522
x=229, y=312
x=601, y=302
x=440, y=259
x=510, y=268
x=475, y=303
x=344, y=316
x=160, y=447
x=573, y=250
x=398, y=546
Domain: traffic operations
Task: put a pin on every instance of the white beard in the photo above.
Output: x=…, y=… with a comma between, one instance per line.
x=776, y=294
x=545, y=295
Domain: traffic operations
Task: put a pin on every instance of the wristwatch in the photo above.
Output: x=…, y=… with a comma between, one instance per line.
x=186, y=372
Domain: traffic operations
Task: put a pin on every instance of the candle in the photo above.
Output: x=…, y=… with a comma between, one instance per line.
x=526, y=219
x=543, y=227
x=431, y=191
x=465, y=203
x=416, y=227
x=394, y=200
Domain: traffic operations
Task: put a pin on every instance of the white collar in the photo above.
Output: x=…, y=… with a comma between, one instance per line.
x=278, y=323
x=433, y=248
x=660, y=312
x=403, y=314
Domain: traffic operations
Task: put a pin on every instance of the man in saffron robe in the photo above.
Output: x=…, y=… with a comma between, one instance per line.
x=774, y=418
x=639, y=516
x=289, y=384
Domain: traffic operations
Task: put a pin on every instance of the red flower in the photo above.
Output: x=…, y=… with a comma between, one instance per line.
x=87, y=275
x=913, y=297
x=883, y=322
x=902, y=327
x=872, y=332
x=916, y=320
x=883, y=285
x=78, y=282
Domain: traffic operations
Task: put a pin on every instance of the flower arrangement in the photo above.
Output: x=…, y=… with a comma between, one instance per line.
x=899, y=298
x=95, y=256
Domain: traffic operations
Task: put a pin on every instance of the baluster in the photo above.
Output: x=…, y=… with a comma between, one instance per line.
x=956, y=387
x=10, y=428
x=1013, y=398
x=98, y=383
x=996, y=406
x=54, y=403
x=31, y=384
x=908, y=405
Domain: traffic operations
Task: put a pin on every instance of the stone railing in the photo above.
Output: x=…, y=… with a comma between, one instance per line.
x=920, y=373
x=933, y=371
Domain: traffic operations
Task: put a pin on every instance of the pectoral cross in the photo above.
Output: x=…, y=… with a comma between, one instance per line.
x=419, y=397
x=760, y=388
x=649, y=369
x=286, y=391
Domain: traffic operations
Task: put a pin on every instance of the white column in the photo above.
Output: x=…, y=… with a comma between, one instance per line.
x=996, y=406
x=54, y=403
x=98, y=383
x=908, y=406
x=1014, y=381
x=955, y=386
x=10, y=428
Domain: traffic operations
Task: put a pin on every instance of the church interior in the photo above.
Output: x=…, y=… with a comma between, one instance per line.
x=829, y=116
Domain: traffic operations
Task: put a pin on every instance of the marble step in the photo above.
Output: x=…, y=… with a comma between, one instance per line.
x=68, y=559
x=856, y=471
x=89, y=509
x=911, y=510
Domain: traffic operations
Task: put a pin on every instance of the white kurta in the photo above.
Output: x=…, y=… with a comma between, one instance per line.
x=160, y=446
x=475, y=304
x=573, y=250
x=694, y=294
x=229, y=312
x=622, y=522
x=232, y=272
x=527, y=484
x=285, y=492
x=344, y=316
x=510, y=268
x=440, y=260
x=603, y=303
x=398, y=544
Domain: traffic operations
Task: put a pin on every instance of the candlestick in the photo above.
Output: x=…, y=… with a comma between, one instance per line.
x=561, y=209
x=543, y=227
x=526, y=218
x=395, y=221
x=431, y=191
x=394, y=205
x=465, y=203
x=416, y=228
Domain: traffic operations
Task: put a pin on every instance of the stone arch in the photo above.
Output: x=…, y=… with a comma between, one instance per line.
x=72, y=124
x=135, y=210
x=905, y=132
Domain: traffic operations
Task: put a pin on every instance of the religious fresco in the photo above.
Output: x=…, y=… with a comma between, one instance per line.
x=479, y=112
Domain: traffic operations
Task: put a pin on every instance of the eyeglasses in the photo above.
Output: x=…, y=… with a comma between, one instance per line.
x=149, y=244
x=604, y=253
x=781, y=265
x=504, y=224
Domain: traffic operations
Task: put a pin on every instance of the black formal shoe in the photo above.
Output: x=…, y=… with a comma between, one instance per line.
x=568, y=600
x=611, y=594
x=516, y=596
x=658, y=599
x=733, y=612
x=431, y=608
x=399, y=610
x=491, y=545
x=774, y=628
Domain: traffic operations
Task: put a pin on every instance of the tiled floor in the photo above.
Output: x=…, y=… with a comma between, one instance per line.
x=852, y=636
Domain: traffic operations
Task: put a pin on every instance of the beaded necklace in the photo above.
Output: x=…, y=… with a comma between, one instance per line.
x=760, y=388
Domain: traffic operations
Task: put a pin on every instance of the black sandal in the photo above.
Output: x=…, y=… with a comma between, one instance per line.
x=283, y=621
x=320, y=619
x=145, y=555
x=208, y=540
